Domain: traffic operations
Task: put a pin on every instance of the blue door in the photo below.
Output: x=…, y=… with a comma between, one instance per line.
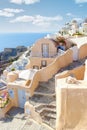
x=21, y=98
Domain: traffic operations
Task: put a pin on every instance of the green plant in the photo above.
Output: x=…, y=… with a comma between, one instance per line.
x=4, y=99
x=61, y=39
x=13, y=69
x=77, y=33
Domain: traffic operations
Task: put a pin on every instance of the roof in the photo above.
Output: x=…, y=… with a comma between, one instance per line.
x=27, y=74
x=79, y=41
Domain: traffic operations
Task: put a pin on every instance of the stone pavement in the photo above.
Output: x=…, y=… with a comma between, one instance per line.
x=11, y=124
x=19, y=124
x=32, y=125
x=16, y=120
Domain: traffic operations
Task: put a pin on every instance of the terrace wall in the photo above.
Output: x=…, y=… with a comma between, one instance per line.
x=46, y=73
x=71, y=105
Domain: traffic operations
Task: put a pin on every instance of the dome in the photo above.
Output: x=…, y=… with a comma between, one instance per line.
x=73, y=21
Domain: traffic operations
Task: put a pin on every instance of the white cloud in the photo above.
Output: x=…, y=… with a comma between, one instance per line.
x=24, y=19
x=80, y=1
x=78, y=19
x=8, y=12
x=70, y=14
x=37, y=20
x=24, y=1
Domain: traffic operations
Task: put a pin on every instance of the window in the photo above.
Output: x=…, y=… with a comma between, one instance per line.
x=35, y=67
x=43, y=63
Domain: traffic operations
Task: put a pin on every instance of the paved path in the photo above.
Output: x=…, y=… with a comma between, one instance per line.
x=15, y=120
x=11, y=124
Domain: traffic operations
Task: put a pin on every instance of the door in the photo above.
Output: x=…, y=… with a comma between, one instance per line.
x=21, y=98
x=45, y=50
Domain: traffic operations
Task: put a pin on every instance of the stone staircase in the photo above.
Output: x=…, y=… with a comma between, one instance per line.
x=44, y=101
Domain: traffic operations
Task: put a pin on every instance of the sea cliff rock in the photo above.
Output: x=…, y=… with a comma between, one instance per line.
x=11, y=52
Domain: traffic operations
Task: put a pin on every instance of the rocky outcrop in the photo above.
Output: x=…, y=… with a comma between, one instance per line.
x=9, y=53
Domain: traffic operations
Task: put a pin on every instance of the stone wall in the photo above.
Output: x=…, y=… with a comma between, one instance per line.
x=82, y=51
x=71, y=105
x=71, y=94
x=46, y=73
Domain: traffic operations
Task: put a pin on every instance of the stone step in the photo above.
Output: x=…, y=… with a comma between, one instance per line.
x=44, y=94
x=44, y=83
x=50, y=122
x=49, y=117
x=43, y=99
x=50, y=82
x=48, y=89
x=48, y=113
x=41, y=106
x=52, y=79
x=49, y=110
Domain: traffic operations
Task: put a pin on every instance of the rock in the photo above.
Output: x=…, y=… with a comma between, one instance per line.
x=21, y=49
x=71, y=80
x=9, y=53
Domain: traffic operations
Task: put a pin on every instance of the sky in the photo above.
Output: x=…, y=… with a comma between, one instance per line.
x=39, y=15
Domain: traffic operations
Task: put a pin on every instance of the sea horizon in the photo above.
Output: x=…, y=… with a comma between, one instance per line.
x=14, y=39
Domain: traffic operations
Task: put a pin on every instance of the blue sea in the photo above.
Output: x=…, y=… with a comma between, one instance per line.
x=13, y=40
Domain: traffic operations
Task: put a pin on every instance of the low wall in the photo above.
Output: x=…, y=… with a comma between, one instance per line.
x=34, y=83
x=46, y=73
x=82, y=51
x=71, y=101
x=78, y=73
x=56, y=65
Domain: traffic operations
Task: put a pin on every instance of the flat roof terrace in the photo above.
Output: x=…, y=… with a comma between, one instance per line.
x=79, y=41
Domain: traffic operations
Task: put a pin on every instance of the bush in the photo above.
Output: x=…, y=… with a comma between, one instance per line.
x=13, y=69
x=78, y=34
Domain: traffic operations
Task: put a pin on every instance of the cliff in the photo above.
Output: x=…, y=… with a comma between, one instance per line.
x=9, y=53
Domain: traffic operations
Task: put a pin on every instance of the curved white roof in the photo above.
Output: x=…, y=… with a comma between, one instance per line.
x=79, y=41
